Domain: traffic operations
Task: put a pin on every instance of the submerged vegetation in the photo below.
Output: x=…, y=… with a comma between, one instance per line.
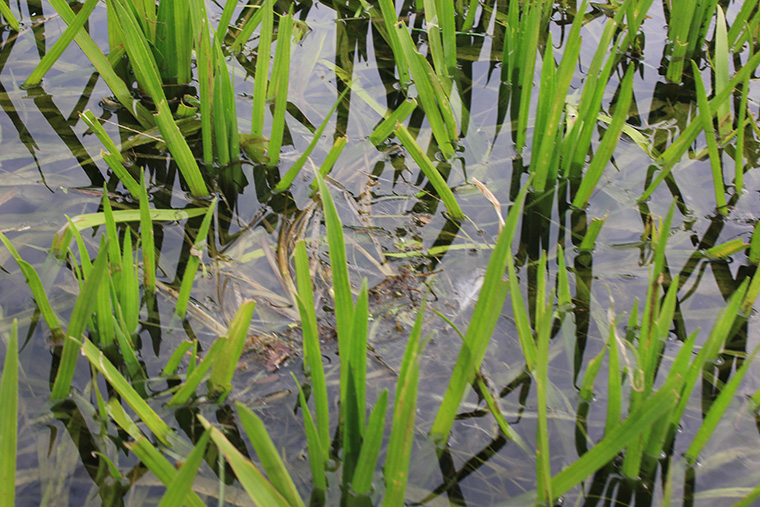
x=316, y=342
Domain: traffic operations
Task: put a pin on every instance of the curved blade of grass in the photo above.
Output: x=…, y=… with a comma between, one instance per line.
x=80, y=316
x=102, y=65
x=9, y=419
x=182, y=484
x=270, y=460
x=287, y=180
x=63, y=235
x=52, y=54
x=38, y=291
x=607, y=448
x=483, y=322
x=318, y=455
x=396, y=469
x=432, y=174
x=717, y=411
x=225, y=363
x=196, y=253
x=429, y=99
x=148, y=416
x=159, y=466
x=373, y=439
x=712, y=145
x=676, y=150
x=255, y=484
x=609, y=141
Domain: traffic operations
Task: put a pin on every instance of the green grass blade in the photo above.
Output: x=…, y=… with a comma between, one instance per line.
x=528, y=46
x=388, y=125
x=5, y=10
x=63, y=235
x=196, y=252
x=426, y=165
x=607, y=448
x=287, y=180
x=64, y=41
x=146, y=238
x=80, y=316
x=675, y=151
x=720, y=63
x=423, y=76
x=396, y=469
x=255, y=484
x=609, y=141
x=353, y=359
x=712, y=145
x=390, y=19
x=717, y=411
x=344, y=307
x=101, y=363
x=247, y=30
x=501, y=420
x=129, y=290
x=318, y=455
x=38, y=291
x=180, y=150
x=204, y=60
x=261, y=77
x=102, y=65
x=312, y=349
x=171, y=366
x=182, y=484
x=195, y=375
x=156, y=462
x=225, y=363
x=224, y=21
x=521, y=316
x=121, y=172
x=278, y=88
x=483, y=322
x=614, y=384
x=373, y=439
x=331, y=158
x=270, y=460
x=740, y=136
x=9, y=419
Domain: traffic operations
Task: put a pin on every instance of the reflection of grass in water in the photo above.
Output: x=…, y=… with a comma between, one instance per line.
x=561, y=141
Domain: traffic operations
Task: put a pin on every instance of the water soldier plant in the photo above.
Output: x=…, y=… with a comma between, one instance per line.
x=477, y=361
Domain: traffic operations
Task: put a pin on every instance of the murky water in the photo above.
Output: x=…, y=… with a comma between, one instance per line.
x=398, y=238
